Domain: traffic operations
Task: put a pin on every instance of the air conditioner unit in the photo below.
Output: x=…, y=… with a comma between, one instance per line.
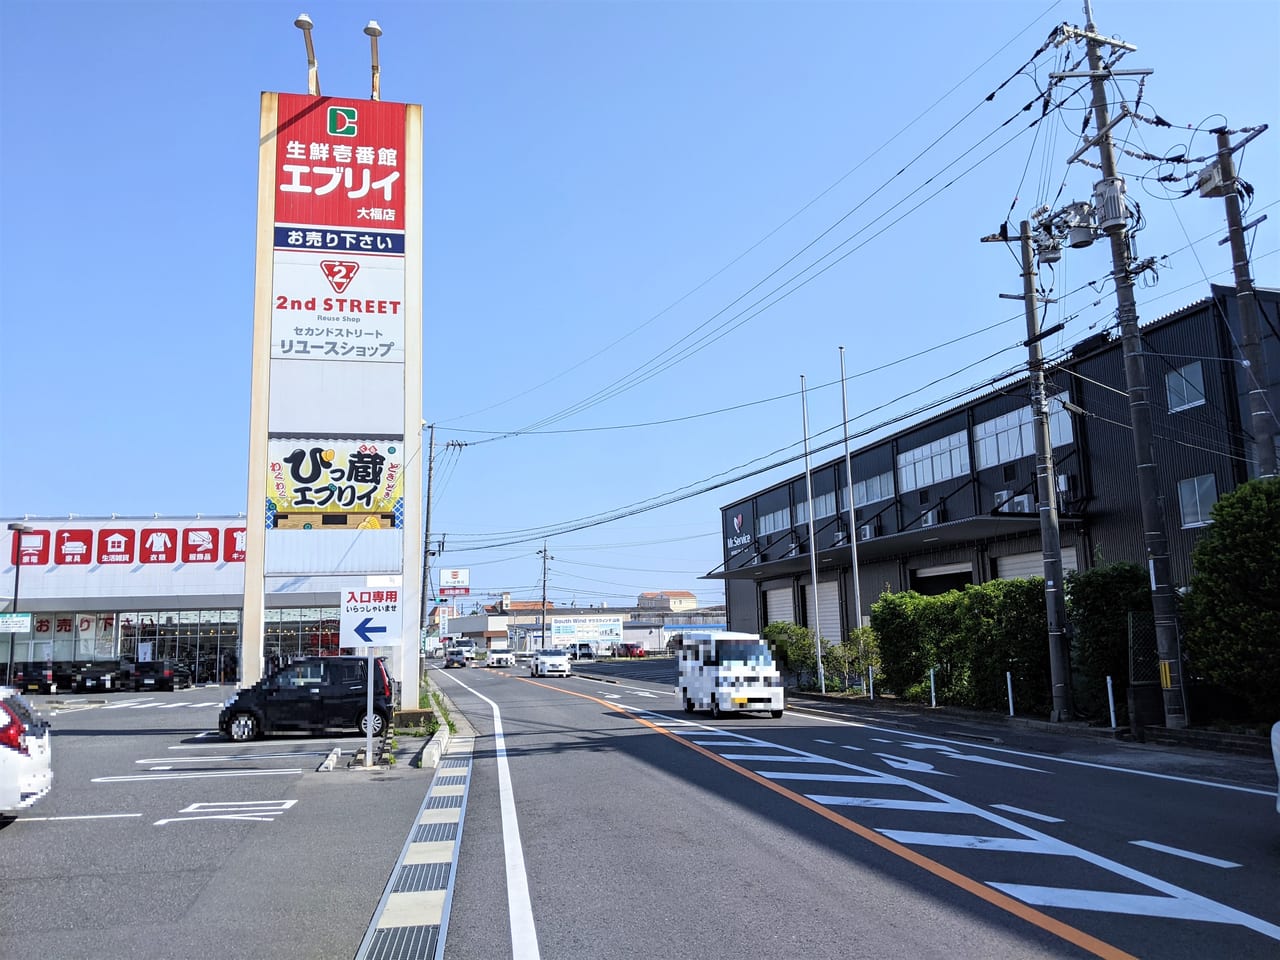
x=1003, y=499
x=867, y=530
x=932, y=517
x=1024, y=503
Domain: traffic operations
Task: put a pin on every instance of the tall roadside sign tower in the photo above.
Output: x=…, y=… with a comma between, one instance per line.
x=335, y=438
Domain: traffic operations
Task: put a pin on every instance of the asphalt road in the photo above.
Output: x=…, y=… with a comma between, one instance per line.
x=649, y=832
x=605, y=822
x=160, y=839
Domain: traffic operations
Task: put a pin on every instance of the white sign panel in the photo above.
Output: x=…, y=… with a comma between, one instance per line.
x=455, y=583
x=585, y=629
x=15, y=623
x=371, y=617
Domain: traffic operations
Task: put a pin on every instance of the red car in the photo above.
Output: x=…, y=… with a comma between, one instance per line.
x=628, y=650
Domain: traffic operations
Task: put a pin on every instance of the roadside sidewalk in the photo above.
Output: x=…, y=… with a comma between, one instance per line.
x=887, y=709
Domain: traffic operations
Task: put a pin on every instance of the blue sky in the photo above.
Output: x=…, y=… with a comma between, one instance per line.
x=609, y=190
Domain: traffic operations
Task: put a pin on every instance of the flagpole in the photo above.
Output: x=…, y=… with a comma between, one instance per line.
x=813, y=544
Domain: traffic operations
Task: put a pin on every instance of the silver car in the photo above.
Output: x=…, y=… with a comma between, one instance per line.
x=26, y=767
x=550, y=663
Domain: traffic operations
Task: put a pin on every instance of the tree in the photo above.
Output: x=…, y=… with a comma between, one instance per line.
x=1232, y=613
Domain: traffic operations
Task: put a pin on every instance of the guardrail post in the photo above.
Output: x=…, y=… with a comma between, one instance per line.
x=1111, y=702
x=1008, y=680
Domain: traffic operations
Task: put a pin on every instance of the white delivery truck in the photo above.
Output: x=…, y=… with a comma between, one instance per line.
x=727, y=672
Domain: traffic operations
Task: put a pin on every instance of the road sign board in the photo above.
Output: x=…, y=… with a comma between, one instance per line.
x=371, y=617
x=15, y=623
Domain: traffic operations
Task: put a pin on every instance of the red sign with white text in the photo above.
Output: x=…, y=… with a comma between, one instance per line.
x=234, y=544
x=30, y=548
x=73, y=547
x=115, y=544
x=159, y=545
x=200, y=545
x=340, y=163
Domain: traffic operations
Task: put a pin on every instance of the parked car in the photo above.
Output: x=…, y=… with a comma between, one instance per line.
x=500, y=657
x=581, y=651
x=551, y=662
x=97, y=675
x=455, y=657
x=628, y=650
x=312, y=694
x=34, y=677
x=158, y=675
x=26, y=768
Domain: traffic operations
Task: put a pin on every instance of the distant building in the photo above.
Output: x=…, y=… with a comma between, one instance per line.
x=677, y=601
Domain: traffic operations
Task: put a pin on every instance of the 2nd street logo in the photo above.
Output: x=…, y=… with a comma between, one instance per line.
x=339, y=273
x=342, y=121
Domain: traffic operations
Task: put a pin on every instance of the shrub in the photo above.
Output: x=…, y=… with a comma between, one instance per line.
x=1099, y=602
x=1232, y=613
x=793, y=647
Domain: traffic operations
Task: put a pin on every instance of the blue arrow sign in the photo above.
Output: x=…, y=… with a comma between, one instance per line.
x=363, y=630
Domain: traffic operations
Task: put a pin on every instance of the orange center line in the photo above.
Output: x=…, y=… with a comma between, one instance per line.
x=1085, y=941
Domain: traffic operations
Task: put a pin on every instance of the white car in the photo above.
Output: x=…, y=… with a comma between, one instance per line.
x=26, y=768
x=500, y=657
x=550, y=663
x=1275, y=755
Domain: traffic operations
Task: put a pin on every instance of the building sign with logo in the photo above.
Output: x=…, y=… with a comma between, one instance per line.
x=594, y=630
x=362, y=479
x=455, y=583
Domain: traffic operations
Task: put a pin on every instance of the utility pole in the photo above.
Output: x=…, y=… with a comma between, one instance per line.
x=1046, y=493
x=853, y=514
x=1112, y=212
x=1261, y=416
x=423, y=616
x=545, y=557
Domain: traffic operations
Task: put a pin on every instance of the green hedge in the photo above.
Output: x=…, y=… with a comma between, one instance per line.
x=1099, y=602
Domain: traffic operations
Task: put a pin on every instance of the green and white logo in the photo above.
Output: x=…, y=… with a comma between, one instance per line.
x=342, y=121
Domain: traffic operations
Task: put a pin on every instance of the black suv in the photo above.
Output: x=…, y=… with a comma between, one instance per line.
x=313, y=694
x=154, y=675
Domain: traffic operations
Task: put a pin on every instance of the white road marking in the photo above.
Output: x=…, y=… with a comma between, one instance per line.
x=847, y=747
x=524, y=933
x=1189, y=855
x=86, y=816
x=125, y=703
x=823, y=777
x=1045, y=758
x=1006, y=844
x=234, y=756
x=155, y=768
x=879, y=803
x=261, y=811
x=1043, y=817
x=825, y=742
x=954, y=754
x=777, y=759
x=197, y=776
x=915, y=766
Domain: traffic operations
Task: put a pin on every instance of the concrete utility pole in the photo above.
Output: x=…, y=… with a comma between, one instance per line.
x=853, y=513
x=423, y=616
x=1112, y=211
x=545, y=557
x=1047, y=495
x=1261, y=416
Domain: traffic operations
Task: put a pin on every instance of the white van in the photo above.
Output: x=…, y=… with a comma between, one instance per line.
x=727, y=672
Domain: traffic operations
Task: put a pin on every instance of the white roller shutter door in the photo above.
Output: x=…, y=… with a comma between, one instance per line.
x=1019, y=565
x=778, y=606
x=828, y=607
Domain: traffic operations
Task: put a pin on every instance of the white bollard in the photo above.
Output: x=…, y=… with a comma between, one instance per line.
x=933, y=695
x=1111, y=703
x=1008, y=679
x=871, y=683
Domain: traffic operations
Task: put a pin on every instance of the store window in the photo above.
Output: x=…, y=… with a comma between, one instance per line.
x=1185, y=387
x=1196, y=496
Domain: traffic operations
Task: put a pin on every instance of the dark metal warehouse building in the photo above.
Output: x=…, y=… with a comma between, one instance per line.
x=951, y=500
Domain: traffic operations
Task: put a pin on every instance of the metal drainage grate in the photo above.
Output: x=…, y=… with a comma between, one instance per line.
x=403, y=943
x=453, y=762
x=418, y=877
x=451, y=781
x=431, y=832
x=443, y=803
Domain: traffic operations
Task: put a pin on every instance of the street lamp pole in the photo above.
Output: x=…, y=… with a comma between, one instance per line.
x=18, y=529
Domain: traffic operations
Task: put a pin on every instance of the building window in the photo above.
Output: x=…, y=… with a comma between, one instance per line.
x=773, y=522
x=941, y=460
x=824, y=505
x=1197, y=496
x=1012, y=436
x=870, y=490
x=1185, y=387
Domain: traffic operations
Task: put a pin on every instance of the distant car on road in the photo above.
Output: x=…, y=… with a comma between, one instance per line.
x=313, y=694
x=628, y=650
x=550, y=663
x=500, y=657
x=455, y=657
x=26, y=769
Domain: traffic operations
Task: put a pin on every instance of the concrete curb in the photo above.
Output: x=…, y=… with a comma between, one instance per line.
x=433, y=749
